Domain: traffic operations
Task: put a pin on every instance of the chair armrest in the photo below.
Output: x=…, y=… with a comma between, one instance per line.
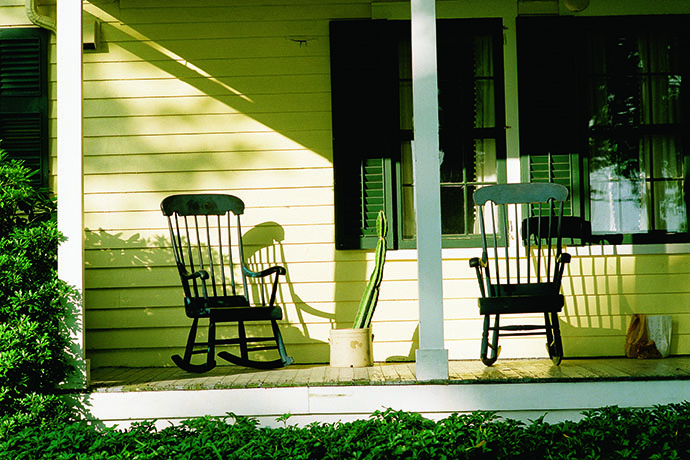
x=563, y=258
x=476, y=262
x=269, y=271
x=277, y=270
x=203, y=274
x=479, y=263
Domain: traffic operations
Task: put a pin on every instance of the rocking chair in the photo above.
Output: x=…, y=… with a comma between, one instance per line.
x=515, y=280
x=201, y=234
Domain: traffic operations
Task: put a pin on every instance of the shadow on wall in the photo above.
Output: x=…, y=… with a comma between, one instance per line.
x=593, y=319
x=135, y=314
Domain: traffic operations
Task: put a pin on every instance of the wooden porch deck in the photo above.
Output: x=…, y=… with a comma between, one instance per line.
x=461, y=372
x=521, y=389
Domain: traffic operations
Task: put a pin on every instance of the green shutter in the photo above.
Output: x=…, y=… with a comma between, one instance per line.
x=364, y=98
x=24, y=98
x=559, y=169
x=550, y=130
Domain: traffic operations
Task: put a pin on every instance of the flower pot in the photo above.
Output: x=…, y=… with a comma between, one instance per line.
x=351, y=347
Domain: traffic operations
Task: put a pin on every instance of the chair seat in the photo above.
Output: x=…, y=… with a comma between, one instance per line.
x=231, y=308
x=246, y=313
x=545, y=303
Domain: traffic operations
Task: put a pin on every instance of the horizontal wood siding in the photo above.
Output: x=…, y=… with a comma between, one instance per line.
x=234, y=96
x=221, y=96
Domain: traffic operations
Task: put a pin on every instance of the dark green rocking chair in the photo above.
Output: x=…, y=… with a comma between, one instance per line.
x=520, y=274
x=217, y=283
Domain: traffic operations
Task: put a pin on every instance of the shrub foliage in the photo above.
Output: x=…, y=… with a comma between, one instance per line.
x=33, y=302
x=608, y=433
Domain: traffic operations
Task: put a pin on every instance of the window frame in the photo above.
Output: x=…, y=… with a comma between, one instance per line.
x=387, y=132
x=550, y=36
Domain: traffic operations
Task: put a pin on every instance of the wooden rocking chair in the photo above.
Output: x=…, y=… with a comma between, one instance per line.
x=520, y=280
x=208, y=260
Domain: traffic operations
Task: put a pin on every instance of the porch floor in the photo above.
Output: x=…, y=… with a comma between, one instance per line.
x=117, y=379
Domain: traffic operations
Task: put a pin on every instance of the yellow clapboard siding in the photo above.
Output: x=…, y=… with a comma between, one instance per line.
x=239, y=3
x=254, y=200
x=143, y=273
x=219, y=30
x=101, y=253
x=215, y=180
x=217, y=96
x=317, y=352
x=136, y=298
x=319, y=141
x=631, y=264
x=206, y=124
x=175, y=336
x=197, y=85
x=195, y=162
x=284, y=216
x=626, y=284
x=110, y=68
x=202, y=104
x=654, y=303
x=210, y=13
x=122, y=238
x=173, y=315
x=122, y=46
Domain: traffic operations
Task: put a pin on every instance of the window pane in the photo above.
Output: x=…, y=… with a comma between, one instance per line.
x=453, y=210
x=636, y=160
x=409, y=228
x=467, y=118
x=669, y=212
x=485, y=114
x=661, y=94
x=485, y=161
x=617, y=188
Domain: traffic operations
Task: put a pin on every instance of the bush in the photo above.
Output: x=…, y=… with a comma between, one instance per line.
x=33, y=302
x=609, y=433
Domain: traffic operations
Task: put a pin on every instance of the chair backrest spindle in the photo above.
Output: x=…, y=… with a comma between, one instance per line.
x=544, y=204
x=201, y=235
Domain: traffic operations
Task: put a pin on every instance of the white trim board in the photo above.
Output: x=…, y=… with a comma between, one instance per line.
x=522, y=401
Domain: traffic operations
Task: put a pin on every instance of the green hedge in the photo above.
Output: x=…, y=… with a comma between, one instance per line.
x=34, y=303
x=608, y=433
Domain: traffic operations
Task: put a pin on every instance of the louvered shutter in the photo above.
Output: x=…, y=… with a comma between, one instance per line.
x=364, y=95
x=24, y=98
x=560, y=169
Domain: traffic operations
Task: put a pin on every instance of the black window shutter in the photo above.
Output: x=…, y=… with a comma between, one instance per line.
x=364, y=98
x=550, y=143
x=24, y=98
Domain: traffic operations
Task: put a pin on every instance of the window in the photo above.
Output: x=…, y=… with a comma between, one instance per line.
x=24, y=98
x=372, y=126
x=602, y=111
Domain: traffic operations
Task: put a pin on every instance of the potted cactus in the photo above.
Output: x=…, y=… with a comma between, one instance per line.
x=352, y=347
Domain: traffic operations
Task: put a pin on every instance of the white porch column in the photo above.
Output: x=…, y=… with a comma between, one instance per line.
x=432, y=357
x=69, y=162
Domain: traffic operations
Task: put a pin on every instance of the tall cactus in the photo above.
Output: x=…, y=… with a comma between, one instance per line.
x=371, y=294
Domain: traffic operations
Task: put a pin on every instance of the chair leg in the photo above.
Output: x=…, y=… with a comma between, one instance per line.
x=242, y=334
x=185, y=363
x=553, y=337
x=243, y=358
x=489, y=358
x=284, y=358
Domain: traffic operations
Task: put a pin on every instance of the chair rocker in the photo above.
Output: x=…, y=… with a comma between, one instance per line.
x=520, y=280
x=209, y=260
